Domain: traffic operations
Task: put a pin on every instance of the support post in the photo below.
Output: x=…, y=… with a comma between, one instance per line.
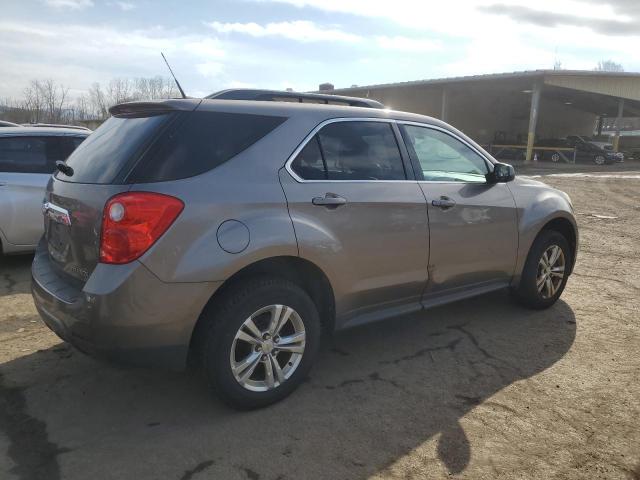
x=533, y=119
x=444, y=105
x=600, y=122
x=616, y=139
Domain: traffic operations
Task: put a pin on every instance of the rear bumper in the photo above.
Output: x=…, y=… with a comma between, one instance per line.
x=123, y=312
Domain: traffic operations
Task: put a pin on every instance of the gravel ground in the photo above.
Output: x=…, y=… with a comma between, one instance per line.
x=481, y=389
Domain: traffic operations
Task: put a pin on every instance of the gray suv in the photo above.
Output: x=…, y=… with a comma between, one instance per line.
x=232, y=234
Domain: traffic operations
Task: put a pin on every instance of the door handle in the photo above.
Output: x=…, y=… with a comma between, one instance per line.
x=330, y=200
x=3, y=184
x=444, y=203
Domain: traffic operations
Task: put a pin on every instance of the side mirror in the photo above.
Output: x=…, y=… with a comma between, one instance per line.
x=502, y=173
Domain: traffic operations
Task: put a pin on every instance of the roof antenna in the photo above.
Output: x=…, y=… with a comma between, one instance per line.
x=173, y=75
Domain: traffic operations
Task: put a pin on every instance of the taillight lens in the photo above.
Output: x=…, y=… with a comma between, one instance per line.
x=132, y=222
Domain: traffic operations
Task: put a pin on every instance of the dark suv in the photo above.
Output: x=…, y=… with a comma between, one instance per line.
x=232, y=233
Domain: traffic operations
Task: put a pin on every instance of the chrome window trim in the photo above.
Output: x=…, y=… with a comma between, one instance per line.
x=317, y=128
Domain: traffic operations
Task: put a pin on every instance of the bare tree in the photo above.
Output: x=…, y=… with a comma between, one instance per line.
x=45, y=101
x=98, y=101
x=33, y=102
x=609, y=66
x=120, y=90
x=54, y=97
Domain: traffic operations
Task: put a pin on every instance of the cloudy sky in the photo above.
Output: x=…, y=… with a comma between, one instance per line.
x=218, y=44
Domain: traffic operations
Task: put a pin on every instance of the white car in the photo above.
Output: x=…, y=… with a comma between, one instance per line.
x=28, y=157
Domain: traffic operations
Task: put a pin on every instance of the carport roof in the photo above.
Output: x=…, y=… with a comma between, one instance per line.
x=501, y=76
x=593, y=91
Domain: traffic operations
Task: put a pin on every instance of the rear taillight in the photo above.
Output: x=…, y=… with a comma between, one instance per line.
x=132, y=222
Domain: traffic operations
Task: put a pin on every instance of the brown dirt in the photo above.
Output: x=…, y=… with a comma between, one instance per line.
x=481, y=389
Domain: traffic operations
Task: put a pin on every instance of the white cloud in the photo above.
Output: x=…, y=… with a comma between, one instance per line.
x=457, y=17
x=299, y=30
x=206, y=48
x=72, y=4
x=239, y=84
x=480, y=39
x=406, y=44
x=210, y=69
x=125, y=6
x=78, y=55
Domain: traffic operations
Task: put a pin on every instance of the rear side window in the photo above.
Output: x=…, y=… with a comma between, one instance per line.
x=309, y=163
x=24, y=155
x=352, y=151
x=201, y=142
x=102, y=156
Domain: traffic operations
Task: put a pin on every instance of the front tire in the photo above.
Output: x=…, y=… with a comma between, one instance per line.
x=545, y=272
x=264, y=337
x=599, y=160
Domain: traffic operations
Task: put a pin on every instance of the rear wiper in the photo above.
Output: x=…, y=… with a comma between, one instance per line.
x=64, y=168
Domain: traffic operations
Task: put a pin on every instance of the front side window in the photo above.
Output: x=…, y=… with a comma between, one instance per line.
x=359, y=150
x=24, y=155
x=444, y=158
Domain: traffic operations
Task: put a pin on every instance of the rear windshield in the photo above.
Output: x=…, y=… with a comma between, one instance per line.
x=201, y=142
x=101, y=157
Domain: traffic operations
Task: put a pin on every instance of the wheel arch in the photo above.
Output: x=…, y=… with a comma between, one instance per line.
x=295, y=269
x=565, y=227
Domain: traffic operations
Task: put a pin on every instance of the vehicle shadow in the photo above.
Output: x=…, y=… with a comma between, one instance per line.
x=377, y=392
x=15, y=274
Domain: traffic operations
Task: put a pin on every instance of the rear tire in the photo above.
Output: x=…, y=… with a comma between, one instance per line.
x=599, y=160
x=245, y=359
x=541, y=284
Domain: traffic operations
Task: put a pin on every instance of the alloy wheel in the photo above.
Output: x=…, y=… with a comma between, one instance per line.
x=268, y=348
x=551, y=270
x=599, y=160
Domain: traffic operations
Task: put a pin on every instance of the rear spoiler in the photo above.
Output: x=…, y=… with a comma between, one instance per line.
x=149, y=109
x=276, y=95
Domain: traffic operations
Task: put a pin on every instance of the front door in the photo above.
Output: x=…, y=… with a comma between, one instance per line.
x=360, y=217
x=472, y=223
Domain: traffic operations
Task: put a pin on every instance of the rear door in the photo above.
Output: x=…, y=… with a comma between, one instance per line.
x=472, y=223
x=24, y=172
x=73, y=212
x=360, y=216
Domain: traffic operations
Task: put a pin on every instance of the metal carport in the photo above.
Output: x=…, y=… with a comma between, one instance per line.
x=518, y=107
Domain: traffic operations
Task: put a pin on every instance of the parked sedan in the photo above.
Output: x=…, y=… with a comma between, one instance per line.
x=590, y=151
x=28, y=157
x=585, y=152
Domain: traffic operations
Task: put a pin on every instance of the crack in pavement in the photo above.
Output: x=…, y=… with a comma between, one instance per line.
x=202, y=466
x=472, y=338
x=35, y=457
x=11, y=283
x=422, y=352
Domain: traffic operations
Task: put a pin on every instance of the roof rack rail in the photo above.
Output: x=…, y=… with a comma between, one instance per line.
x=54, y=125
x=284, y=96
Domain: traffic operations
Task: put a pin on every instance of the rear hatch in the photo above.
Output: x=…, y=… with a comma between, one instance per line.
x=74, y=202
